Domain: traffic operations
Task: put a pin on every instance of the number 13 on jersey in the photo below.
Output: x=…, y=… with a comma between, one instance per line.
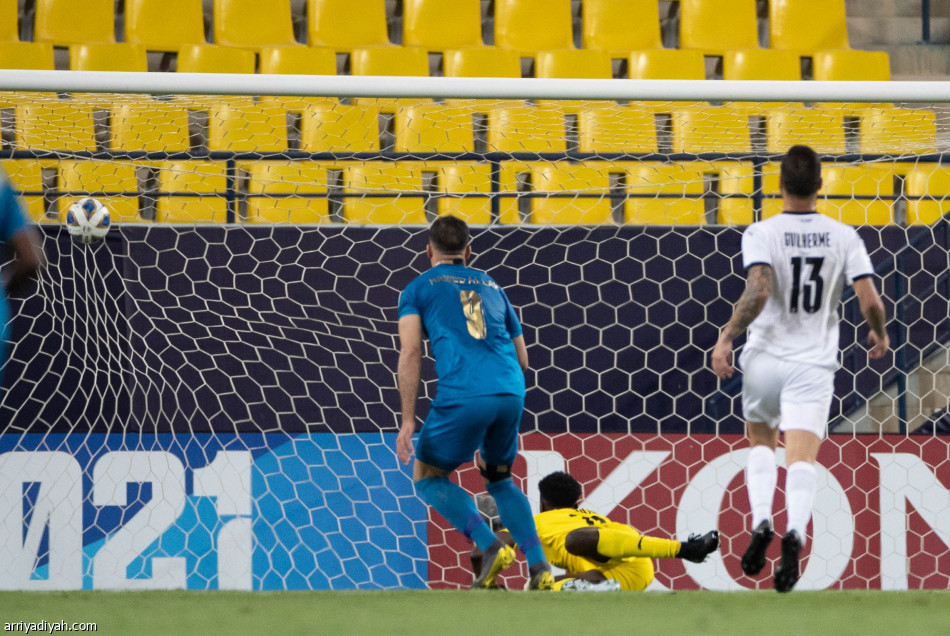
x=810, y=291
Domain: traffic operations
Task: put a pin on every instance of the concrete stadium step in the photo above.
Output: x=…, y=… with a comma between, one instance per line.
x=865, y=31
x=917, y=61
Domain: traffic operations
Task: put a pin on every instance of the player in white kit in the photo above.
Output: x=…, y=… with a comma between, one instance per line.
x=797, y=263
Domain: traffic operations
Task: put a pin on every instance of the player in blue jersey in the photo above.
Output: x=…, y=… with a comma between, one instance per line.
x=17, y=232
x=480, y=359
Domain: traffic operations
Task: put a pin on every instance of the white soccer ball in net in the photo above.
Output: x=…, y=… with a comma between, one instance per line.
x=88, y=221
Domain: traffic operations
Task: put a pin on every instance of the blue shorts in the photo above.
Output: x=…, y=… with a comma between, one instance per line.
x=454, y=430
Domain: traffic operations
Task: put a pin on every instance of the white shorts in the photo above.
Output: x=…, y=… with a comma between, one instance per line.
x=787, y=395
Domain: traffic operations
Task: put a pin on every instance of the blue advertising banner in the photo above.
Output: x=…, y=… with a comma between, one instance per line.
x=203, y=512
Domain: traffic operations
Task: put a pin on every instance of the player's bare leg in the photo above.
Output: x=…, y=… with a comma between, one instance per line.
x=761, y=477
x=801, y=452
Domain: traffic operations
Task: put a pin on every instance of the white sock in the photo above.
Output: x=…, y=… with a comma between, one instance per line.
x=761, y=475
x=800, y=486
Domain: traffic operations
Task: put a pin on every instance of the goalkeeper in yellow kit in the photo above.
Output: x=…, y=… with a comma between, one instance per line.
x=600, y=554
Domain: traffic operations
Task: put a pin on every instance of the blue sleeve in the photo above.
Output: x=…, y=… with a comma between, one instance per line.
x=511, y=318
x=12, y=219
x=408, y=304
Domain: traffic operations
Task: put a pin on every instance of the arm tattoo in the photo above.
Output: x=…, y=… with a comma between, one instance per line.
x=757, y=291
x=876, y=319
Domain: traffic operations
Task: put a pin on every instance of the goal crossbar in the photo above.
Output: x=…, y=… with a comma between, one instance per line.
x=473, y=88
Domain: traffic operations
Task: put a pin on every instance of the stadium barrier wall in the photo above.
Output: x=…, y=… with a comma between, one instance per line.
x=236, y=427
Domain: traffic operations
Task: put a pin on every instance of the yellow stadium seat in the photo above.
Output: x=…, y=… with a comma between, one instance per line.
x=149, y=127
x=271, y=182
x=822, y=129
x=571, y=63
x=616, y=129
x=108, y=57
x=621, y=26
x=54, y=125
x=34, y=56
x=514, y=177
x=738, y=179
x=646, y=180
x=402, y=184
x=857, y=181
x=434, y=128
x=807, y=25
x=438, y=25
x=344, y=25
x=897, y=130
x=533, y=25
x=761, y=64
x=563, y=177
x=667, y=64
x=928, y=192
x=297, y=60
x=64, y=22
x=247, y=127
x=487, y=61
x=164, y=25
x=403, y=60
x=339, y=128
x=710, y=129
x=848, y=65
x=212, y=58
x=26, y=175
x=526, y=129
x=466, y=179
x=9, y=21
x=574, y=63
x=89, y=178
x=718, y=26
x=845, y=64
x=252, y=23
x=202, y=184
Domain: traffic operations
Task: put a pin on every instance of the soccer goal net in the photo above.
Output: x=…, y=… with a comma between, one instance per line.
x=206, y=398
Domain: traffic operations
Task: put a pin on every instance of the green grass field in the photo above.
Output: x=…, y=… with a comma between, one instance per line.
x=489, y=613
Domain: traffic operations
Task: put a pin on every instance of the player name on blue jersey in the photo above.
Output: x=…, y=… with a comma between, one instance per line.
x=459, y=280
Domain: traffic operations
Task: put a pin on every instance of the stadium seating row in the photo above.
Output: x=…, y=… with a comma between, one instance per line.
x=146, y=125
x=742, y=64
x=615, y=26
x=591, y=192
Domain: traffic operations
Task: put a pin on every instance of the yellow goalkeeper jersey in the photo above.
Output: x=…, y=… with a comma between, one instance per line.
x=633, y=573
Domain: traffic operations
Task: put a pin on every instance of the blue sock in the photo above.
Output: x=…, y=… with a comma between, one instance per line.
x=515, y=513
x=457, y=507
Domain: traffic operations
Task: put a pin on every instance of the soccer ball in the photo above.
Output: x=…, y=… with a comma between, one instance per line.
x=88, y=221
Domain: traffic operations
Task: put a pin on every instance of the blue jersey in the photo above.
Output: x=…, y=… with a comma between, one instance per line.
x=12, y=220
x=470, y=323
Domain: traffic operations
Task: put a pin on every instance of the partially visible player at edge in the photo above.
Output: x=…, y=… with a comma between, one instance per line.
x=480, y=359
x=17, y=232
x=796, y=265
x=600, y=555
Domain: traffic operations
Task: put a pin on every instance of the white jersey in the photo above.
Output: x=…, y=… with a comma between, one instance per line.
x=812, y=256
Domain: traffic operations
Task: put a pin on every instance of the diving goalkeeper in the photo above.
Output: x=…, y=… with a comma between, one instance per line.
x=599, y=554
